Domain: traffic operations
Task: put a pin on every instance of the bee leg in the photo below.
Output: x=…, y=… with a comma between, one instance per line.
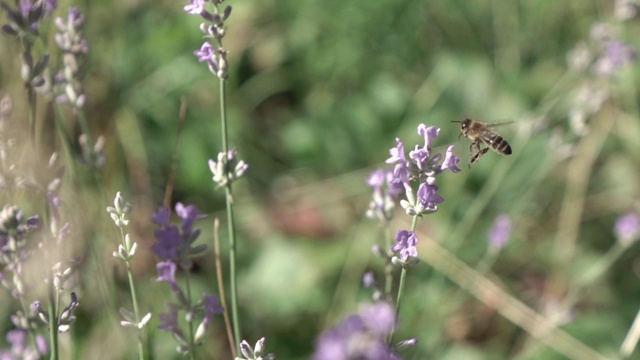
x=478, y=155
x=475, y=144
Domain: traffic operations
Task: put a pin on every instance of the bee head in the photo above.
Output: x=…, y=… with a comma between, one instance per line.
x=464, y=126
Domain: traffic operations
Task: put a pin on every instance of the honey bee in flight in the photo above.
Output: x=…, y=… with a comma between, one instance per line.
x=481, y=134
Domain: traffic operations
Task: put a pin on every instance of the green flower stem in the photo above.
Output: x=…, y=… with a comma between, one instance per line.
x=190, y=318
x=54, y=302
x=230, y=221
x=31, y=98
x=134, y=297
x=388, y=268
x=403, y=276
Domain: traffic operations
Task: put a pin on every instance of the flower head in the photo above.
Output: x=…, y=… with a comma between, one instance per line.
x=228, y=168
x=361, y=336
x=25, y=18
x=74, y=46
x=422, y=166
x=211, y=306
x=176, y=243
x=405, y=245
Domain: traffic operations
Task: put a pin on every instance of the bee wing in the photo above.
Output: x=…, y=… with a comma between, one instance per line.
x=498, y=124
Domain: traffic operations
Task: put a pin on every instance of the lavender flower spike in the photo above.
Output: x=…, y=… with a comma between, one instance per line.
x=422, y=166
x=228, y=168
x=360, y=336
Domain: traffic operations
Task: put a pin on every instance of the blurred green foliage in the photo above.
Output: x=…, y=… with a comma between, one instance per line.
x=318, y=91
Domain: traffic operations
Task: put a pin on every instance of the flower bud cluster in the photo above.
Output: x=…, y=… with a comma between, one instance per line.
x=24, y=23
x=74, y=47
x=214, y=55
x=228, y=168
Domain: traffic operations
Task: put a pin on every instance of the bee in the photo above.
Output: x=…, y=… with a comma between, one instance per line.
x=481, y=134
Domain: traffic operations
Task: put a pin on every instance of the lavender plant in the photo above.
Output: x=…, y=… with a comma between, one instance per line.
x=16, y=248
x=227, y=168
x=126, y=251
x=24, y=25
x=414, y=175
x=175, y=248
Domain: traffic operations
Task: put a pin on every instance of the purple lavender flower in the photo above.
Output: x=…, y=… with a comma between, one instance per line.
x=206, y=53
x=211, y=306
x=627, y=228
x=385, y=191
x=450, y=161
x=167, y=272
x=195, y=7
x=169, y=321
x=216, y=57
x=360, y=336
x=397, y=153
x=429, y=133
x=169, y=243
x=500, y=232
x=175, y=243
x=428, y=196
x=25, y=18
x=615, y=56
x=422, y=166
x=17, y=338
x=405, y=245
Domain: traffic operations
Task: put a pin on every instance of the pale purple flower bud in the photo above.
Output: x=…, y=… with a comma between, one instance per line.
x=500, y=232
x=195, y=7
x=450, y=161
x=615, y=56
x=420, y=157
x=397, y=153
x=429, y=133
x=627, y=228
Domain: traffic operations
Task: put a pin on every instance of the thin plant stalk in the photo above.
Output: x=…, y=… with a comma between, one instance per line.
x=134, y=296
x=388, y=268
x=403, y=276
x=223, y=298
x=54, y=301
x=31, y=98
x=190, y=321
x=230, y=220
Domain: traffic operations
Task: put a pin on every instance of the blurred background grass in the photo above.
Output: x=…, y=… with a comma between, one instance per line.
x=318, y=91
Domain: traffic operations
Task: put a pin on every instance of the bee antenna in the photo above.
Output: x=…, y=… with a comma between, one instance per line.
x=456, y=121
